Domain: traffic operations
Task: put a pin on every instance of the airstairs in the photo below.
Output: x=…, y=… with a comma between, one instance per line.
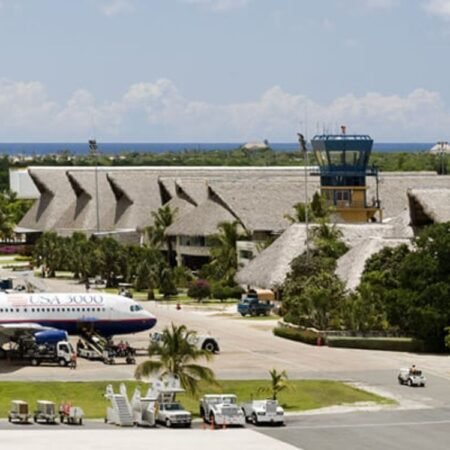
x=144, y=408
x=119, y=413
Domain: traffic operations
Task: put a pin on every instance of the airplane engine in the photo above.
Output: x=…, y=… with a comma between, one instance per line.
x=50, y=336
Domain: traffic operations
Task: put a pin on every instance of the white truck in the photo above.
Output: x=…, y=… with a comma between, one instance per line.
x=172, y=414
x=169, y=411
x=263, y=412
x=411, y=377
x=221, y=410
x=201, y=341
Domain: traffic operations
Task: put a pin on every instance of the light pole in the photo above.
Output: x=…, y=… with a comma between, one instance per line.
x=302, y=143
x=442, y=148
x=94, y=152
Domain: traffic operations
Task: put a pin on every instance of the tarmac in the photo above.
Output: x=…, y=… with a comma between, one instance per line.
x=248, y=351
x=139, y=439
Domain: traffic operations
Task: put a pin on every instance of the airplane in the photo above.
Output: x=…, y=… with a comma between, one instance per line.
x=72, y=313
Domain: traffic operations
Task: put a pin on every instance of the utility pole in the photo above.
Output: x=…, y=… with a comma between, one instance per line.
x=304, y=150
x=94, y=152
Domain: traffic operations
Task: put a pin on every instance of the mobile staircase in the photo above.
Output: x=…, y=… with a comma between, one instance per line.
x=119, y=413
x=144, y=408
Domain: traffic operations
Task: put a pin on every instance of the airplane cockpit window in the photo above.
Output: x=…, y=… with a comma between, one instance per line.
x=135, y=308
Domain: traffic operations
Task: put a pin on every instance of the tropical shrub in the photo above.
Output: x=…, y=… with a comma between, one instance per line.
x=199, y=289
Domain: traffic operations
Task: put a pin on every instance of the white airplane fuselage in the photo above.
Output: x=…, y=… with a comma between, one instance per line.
x=107, y=314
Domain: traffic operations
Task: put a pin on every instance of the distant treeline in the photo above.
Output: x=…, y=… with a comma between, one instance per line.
x=238, y=157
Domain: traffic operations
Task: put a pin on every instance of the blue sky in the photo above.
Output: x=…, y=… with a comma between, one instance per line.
x=223, y=70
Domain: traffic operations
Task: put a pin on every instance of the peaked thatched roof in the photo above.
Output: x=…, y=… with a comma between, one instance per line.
x=82, y=213
x=135, y=198
x=56, y=196
x=201, y=221
x=429, y=206
x=262, y=204
x=351, y=265
x=259, y=197
x=268, y=270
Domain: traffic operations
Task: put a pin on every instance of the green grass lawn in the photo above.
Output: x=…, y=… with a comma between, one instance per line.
x=304, y=395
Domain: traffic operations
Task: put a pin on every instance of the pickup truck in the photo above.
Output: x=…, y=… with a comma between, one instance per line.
x=201, y=341
x=172, y=414
x=251, y=305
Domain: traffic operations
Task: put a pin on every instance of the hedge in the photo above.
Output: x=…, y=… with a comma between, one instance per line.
x=294, y=334
x=384, y=343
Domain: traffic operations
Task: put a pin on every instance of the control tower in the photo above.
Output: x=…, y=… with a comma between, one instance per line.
x=344, y=165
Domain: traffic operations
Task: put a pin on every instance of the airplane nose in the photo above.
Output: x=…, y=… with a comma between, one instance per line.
x=150, y=320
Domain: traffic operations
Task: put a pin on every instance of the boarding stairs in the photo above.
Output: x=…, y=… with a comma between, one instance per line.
x=119, y=413
x=93, y=346
x=144, y=408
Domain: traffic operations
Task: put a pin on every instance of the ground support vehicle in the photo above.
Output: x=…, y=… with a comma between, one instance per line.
x=221, y=410
x=45, y=412
x=60, y=353
x=251, y=305
x=201, y=341
x=94, y=347
x=143, y=408
x=50, y=347
x=263, y=412
x=19, y=412
x=411, y=377
x=72, y=415
x=119, y=413
x=168, y=410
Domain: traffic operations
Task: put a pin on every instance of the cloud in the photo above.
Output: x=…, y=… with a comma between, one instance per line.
x=115, y=7
x=157, y=111
x=219, y=5
x=439, y=8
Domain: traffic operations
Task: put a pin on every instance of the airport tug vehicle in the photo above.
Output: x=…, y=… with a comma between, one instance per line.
x=221, y=410
x=263, y=412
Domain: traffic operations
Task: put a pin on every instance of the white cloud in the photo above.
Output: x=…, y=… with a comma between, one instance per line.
x=440, y=8
x=219, y=5
x=115, y=7
x=157, y=110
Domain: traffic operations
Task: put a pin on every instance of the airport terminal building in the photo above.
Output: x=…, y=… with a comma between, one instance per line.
x=118, y=201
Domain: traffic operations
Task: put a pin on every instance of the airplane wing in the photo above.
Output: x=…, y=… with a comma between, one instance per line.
x=12, y=331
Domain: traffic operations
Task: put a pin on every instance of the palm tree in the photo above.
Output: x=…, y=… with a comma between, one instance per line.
x=6, y=225
x=223, y=251
x=176, y=356
x=278, y=383
x=162, y=220
x=50, y=252
x=7, y=221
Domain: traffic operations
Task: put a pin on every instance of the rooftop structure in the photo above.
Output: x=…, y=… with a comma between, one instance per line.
x=343, y=166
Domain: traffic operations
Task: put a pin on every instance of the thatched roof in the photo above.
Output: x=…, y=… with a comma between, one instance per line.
x=82, y=213
x=201, y=221
x=429, y=206
x=56, y=196
x=262, y=205
x=259, y=197
x=269, y=269
x=135, y=198
x=351, y=265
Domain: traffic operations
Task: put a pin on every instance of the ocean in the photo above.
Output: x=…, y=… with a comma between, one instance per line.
x=111, y=148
